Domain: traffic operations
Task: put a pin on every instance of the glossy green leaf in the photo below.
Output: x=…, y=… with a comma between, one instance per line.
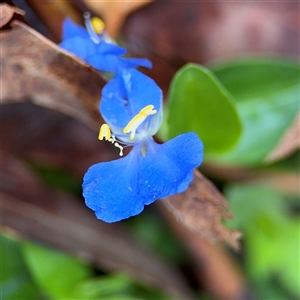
x=15, y=280
x=198, y=102
x=267, y=99
x=54, y=272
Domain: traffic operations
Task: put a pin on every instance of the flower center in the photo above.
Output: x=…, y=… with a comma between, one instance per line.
x=131, y=127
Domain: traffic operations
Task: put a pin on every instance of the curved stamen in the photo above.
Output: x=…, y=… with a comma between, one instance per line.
x=106, y=133
x=137, y=120
x=120, y=147
x=90, y=29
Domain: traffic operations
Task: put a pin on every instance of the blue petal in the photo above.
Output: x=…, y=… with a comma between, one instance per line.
x=110, y=62
x=106, y=62
x=126, y=94
x=70, y=29
x=105, y=48
x=110, y=189
x=136, y=62
x=119, y=189
x=114, y=104
x=81, y=47
x=168, y=168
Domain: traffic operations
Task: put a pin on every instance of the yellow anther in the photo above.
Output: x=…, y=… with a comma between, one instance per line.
x=104, y=132
x=148, y=110
x=137, y=120
x=98, y=25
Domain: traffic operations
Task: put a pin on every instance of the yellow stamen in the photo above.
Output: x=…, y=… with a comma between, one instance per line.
x=148, y=110
x=137, y=120
x=98, y=25
x=104, y=132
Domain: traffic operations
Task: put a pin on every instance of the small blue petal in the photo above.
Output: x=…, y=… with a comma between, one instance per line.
x=102, y=56
x=71, y=29
x=112, y=49
x=107, y=62
x=81, y=47
x=136, y=62
x=107, y=59
x=110, y=62
x=119, y=189
x=126, y=94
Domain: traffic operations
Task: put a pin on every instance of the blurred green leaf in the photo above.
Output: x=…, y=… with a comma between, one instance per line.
x=61, y=276
x=199, y=102
x=103, y=286
x=15, y=280
x=267, y=99
x=54, y=272
x=58, y=179
x=115, y=287
x=248, y=201
x=153, y=232
x=269, y=289
x=271, y=234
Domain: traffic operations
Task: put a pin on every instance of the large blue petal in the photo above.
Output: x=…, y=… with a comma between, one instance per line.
x=110, y=189
x=119, y=189
x=168, y=168
x=126, y=94
x=71, y=29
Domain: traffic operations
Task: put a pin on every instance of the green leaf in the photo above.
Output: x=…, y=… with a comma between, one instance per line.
x=271, y=234
x=267, y=99
x=199, y=102
x=150, y=230
x=15, y=281
x=54, y=272
x=115, y=287
x=104, y=286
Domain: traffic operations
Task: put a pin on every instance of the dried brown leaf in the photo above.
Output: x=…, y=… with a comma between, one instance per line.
x=201, y=208
x=37, y=70
x=61, y=220
x=51, y=139
x=215, y=270
x=7, y=12
x=289, y=143
x=218, y=272
x=115, y=13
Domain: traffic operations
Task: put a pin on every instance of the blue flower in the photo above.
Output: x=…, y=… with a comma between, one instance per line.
x=131, y=105
x=97, y=50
